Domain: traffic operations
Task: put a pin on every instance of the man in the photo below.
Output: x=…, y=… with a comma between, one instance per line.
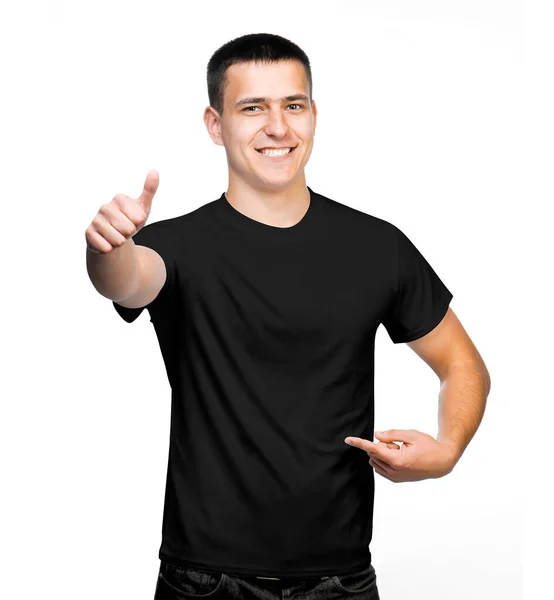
x=266, y=303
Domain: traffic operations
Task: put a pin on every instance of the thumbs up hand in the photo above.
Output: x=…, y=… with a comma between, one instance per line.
x=121, y=218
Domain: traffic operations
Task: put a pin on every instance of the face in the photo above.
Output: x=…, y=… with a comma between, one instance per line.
x=276, y=122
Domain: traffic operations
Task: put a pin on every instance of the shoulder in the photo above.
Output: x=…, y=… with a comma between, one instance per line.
x=357, y=221
x=182, y=223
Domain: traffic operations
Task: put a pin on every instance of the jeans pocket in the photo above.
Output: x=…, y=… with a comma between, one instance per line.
x=185, y=582
x=361, y=581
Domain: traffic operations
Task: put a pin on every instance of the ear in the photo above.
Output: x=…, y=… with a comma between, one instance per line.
x=314, y=110
x=212, y=121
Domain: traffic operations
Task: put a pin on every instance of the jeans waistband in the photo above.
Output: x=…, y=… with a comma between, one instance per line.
x=279, y=578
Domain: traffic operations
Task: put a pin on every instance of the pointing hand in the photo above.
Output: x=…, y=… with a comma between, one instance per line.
x=420, y=456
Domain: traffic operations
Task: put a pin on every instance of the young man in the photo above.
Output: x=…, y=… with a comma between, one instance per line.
x=266, y=303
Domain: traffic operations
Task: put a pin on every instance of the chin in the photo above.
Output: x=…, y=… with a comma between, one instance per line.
x=277, y=183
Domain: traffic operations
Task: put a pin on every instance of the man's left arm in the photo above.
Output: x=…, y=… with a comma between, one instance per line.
x=465, y=382
x=465, y=385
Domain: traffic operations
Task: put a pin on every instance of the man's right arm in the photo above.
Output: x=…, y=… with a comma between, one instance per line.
x=120, y=270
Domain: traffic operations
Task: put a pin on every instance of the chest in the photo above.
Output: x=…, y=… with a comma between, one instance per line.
x=290, y=297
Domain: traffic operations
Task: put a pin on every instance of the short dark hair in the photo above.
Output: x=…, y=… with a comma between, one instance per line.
x=253, y=47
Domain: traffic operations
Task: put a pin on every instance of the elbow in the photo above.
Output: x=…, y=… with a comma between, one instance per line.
x=487, y=380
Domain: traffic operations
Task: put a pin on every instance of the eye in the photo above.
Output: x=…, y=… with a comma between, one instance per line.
x=248, y=108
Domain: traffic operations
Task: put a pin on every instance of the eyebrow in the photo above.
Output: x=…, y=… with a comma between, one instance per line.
x=259, y=100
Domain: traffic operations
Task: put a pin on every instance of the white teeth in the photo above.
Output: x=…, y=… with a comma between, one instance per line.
x=280, y=152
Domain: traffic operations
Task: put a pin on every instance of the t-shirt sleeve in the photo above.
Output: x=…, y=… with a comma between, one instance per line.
x=421, y=299
x=158, y=237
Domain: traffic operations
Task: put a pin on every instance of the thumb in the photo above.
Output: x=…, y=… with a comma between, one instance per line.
x=150, y=187
x=392, y=435
x=386, y=438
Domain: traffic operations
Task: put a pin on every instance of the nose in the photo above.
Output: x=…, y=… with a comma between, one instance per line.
x=276, y=125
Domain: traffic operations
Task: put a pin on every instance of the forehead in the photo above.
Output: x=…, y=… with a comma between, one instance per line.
x=271, y=80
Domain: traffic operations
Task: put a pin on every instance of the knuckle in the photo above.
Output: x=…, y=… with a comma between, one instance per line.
x=132, y=212
x=136, y=219
x=119, y=242
x=396, y=463
x=128, y=231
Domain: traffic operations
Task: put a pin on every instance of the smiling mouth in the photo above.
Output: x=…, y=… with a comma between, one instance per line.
x=276, y=156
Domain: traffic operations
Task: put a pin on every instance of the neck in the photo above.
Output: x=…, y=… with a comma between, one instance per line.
x=278, y=207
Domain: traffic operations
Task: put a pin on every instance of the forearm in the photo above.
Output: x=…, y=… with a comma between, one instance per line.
x=115, y=274
x=462, y=399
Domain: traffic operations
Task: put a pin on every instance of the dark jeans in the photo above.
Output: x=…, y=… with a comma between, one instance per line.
x=180, y=583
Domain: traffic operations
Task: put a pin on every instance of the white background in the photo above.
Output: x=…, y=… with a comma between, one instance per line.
x=432, y=115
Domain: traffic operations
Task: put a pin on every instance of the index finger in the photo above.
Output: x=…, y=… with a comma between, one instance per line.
x=378, y=450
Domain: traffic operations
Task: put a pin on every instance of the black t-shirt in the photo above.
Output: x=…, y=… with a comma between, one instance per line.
x=267, y=335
